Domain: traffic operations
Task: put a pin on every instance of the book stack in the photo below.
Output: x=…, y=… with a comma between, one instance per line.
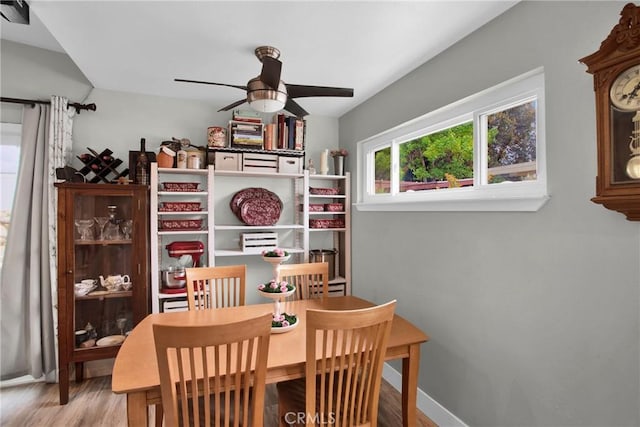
x=270, y=136
x=246, y=116
x=245, y=130
x=290, y=132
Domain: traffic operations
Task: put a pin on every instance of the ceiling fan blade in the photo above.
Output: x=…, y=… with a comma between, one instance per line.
x=294, y=108
x=302, y=91
x=210, y=83
x=270, y=74
x=234, y=105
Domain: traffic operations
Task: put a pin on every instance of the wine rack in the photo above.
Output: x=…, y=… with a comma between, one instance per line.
x=101, y=166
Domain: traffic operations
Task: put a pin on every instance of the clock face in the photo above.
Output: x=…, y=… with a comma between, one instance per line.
x=625, y=90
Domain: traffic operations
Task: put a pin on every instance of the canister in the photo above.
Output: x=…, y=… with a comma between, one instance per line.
x=165, y=157
x=217, y=136
x=325, y=255
x=193, y=160
x=182, y=159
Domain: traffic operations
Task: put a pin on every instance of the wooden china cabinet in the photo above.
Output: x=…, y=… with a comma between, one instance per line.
x=103, y=230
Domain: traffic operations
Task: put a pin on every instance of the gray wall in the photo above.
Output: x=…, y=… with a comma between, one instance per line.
x=533, y=317
x=33, y=73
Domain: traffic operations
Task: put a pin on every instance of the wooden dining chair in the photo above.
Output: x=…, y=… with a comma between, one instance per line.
x=345, y=356
x=230, y=361
x=216, y=287
x=310, y=279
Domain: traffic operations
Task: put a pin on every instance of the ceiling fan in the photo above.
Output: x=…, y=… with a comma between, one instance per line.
x=267, y=93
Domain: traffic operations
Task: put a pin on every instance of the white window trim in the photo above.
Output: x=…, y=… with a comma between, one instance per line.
x=507, y=196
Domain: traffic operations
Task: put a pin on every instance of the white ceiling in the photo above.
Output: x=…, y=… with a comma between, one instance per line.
x=141, y=46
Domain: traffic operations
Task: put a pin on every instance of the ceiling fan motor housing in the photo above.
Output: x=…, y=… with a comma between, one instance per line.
x=263, y=98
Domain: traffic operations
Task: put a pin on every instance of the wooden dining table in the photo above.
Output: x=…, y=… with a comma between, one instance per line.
x=135, y=371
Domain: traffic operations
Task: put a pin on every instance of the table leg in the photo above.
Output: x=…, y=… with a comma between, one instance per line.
x=137, y=414
x=410, y=367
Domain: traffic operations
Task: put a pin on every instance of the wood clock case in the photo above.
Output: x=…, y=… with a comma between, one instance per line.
x=619, y=52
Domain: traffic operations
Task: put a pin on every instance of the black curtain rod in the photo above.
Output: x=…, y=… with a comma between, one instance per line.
x=32, y=102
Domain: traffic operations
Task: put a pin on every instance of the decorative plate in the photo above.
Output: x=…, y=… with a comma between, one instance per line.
x=260, y=211
x=276, y=259
x=277, y=295
x=250, y=193
x=113, y=340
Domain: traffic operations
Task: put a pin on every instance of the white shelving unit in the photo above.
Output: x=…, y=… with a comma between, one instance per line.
x=340, y=238
x=222, y=231
x=291, y=218
x=160, y=238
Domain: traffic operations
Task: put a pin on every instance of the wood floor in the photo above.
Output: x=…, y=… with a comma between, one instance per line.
x=91, y=403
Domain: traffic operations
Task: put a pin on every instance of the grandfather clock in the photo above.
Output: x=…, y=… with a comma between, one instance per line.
x=616, y=77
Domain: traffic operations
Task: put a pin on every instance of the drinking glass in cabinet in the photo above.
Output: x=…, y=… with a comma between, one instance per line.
x=85, y=228
x=127, y=227
x=101, y=221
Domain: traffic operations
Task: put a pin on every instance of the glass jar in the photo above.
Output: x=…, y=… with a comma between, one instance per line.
x=112, y=229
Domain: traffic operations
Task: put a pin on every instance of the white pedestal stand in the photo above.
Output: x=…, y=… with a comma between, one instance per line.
x=275, y=262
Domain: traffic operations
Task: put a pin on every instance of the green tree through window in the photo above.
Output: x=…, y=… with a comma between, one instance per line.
x=442, y=154
x=511, y=135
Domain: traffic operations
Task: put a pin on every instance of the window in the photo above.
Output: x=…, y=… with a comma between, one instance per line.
x=9, y=159
x=483, y=153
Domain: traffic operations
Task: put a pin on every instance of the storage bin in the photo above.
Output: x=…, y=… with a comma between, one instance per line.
x=180, y=186
x=289, y=164
x=170, y=305
x=334, y=207
x=263, y=163
x=258, y=242
x=180, y=224
x=179, y=207
x=323, y=191
x=314, y=207
x=228, y=161
x=326, y=223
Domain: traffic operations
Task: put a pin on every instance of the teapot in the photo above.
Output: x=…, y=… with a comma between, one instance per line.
x=116, y=282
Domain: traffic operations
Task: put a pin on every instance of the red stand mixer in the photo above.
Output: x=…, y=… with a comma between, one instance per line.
x=193, y=248
x=175, y=281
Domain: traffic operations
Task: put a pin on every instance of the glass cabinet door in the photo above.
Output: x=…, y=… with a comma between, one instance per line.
x=103, y=270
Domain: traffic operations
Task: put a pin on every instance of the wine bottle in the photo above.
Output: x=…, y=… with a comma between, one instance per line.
x=142, y=165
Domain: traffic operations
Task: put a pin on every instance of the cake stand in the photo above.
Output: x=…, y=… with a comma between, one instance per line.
x=275, y=262
x=278, y=300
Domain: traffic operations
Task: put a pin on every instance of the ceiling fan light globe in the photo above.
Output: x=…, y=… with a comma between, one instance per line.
x=267, y=105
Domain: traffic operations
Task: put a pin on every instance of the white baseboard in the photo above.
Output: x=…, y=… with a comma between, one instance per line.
x=432, y=409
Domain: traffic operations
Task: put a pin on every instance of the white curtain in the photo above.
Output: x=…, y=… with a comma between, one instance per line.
x=28, y=282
